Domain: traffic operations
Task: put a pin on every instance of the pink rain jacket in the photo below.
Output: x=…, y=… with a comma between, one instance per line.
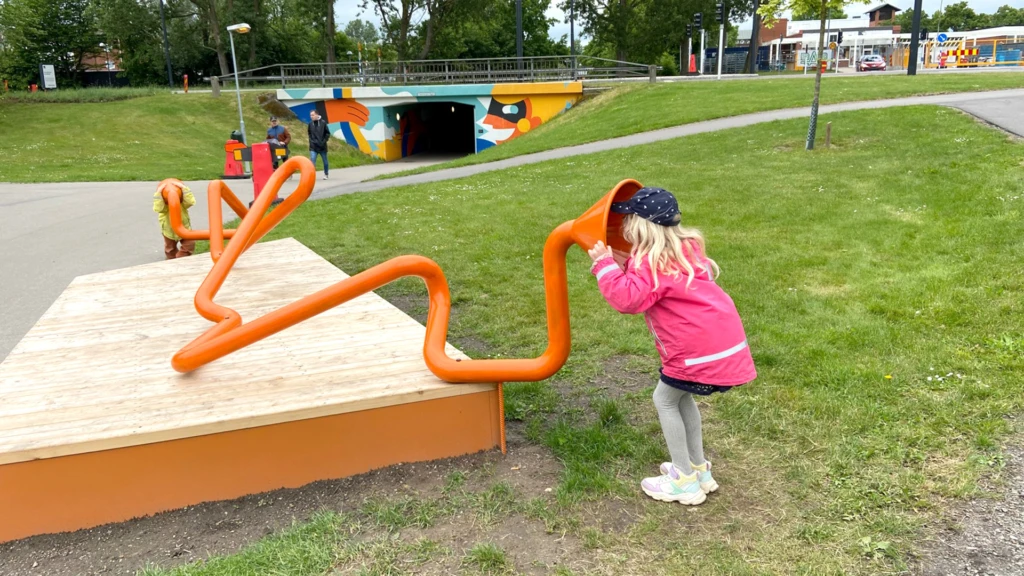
x=697, y=330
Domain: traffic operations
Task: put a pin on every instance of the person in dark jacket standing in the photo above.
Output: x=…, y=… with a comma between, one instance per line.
x=318, y=138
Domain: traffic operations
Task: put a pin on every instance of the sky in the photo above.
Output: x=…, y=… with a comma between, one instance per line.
x=349, y=10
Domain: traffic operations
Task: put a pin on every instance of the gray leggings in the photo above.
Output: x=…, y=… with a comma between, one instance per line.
x=680, y=422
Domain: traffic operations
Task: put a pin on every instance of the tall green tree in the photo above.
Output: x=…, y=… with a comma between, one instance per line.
x=362, y=31
x=814, y=13
x=1007, y=15
x=614, y=23
x=487, y=29
x=410, y=26
x=960, y=17
x=34, y=32
x=905, y=20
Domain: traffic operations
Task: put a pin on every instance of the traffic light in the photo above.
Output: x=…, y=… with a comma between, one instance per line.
x=720, y=12
x=689, y=30
x=698, y=21
x=924, y=33
x=839, y=37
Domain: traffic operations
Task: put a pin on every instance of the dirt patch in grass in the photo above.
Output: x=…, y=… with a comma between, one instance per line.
x=527, y=547
x=623, y=375
x=986, y=535
x=217, y=528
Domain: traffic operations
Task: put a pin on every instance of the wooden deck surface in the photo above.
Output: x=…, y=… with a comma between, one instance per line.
x=95, y=374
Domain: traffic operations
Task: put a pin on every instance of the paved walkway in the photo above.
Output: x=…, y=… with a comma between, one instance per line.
x=51, y=233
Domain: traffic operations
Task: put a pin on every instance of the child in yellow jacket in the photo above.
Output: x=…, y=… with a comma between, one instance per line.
x=174, y=246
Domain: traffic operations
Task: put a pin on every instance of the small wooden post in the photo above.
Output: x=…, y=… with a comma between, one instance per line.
x=828, y=135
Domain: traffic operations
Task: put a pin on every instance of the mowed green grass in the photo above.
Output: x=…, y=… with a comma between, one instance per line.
x=145, y=138
x=880, y=284
x=642, y=107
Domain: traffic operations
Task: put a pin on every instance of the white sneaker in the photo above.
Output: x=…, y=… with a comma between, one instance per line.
x=673, y=486
x=707, y=482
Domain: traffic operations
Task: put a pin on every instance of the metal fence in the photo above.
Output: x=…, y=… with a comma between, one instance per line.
x=417, y=72
x=734, y=63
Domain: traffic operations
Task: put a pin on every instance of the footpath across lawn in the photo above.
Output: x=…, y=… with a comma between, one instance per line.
x=148, y=136
x=881, y=286
x=642, y=107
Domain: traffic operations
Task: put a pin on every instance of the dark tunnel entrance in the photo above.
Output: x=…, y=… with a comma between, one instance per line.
x=446, y=128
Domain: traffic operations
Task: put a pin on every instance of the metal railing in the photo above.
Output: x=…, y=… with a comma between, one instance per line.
x=468, y=71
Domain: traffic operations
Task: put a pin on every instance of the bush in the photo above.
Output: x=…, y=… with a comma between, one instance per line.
x=668, y=65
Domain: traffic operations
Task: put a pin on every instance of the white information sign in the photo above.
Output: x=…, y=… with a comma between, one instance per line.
x=48, y=76
x=809, y=58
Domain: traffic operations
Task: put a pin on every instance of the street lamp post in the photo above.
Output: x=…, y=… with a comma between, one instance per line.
x=167, y=49
x=106, y=63
x=519, y=34
x=241, y=29
x=572, y=35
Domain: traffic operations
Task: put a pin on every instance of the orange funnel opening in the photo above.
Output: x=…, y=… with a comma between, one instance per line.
x=599, y=223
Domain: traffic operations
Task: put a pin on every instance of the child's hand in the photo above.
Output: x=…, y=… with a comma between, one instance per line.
x=599, y=251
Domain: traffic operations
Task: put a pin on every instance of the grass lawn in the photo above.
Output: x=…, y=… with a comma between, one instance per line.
x=880, y=284
x=642, y=107
x=144, y=138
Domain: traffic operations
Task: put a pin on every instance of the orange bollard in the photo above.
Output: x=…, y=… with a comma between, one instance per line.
x=230, y=334
x=186, y=83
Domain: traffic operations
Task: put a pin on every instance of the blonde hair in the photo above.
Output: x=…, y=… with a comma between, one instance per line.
x=670, y=249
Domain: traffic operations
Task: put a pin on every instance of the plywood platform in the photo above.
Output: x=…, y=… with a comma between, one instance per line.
x=89, y=392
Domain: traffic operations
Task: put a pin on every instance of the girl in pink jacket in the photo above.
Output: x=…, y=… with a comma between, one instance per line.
x=697, y=331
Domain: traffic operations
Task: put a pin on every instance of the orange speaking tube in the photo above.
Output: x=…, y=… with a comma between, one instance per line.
x=172, y=190
x=230, y=334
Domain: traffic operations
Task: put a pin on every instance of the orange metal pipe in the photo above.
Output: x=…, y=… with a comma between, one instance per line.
x=217, y=191
x=230, y=334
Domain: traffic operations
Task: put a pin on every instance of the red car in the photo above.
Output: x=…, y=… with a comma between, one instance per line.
x=872, y=62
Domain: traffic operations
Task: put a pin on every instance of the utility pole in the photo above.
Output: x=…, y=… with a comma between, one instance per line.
x=698, y=22
x=167, y=48
x=572, y=35
x=519, y=33
x=915, y=33
x=720, y=15
x=689, y=52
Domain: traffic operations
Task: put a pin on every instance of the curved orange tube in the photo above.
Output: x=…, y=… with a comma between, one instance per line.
x=172, y=189
x=230, y=334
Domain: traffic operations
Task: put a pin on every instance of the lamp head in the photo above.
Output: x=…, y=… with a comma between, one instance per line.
x=240, y=28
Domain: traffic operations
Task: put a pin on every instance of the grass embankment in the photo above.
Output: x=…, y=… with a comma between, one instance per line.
x=92, y=135
x=881, y=289
x=642, y=107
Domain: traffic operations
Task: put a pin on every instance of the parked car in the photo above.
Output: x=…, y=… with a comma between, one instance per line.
x=871, y=62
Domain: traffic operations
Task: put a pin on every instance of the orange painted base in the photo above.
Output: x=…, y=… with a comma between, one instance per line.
x=85, y=490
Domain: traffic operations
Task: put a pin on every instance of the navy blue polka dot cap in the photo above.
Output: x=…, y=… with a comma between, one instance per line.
x=655, y=204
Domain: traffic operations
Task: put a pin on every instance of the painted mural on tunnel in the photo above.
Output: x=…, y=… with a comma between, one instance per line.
x=394, y=122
